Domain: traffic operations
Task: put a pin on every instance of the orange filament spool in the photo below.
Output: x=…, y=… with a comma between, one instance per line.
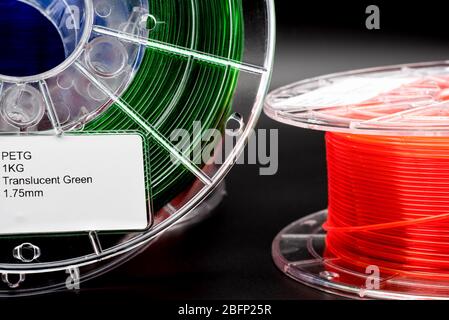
x=386, y=231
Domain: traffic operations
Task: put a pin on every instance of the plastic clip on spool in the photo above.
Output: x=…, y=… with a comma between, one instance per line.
x=145, y=67
x=385, y=233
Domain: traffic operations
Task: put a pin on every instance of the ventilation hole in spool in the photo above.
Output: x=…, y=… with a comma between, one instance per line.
x=148, y=22
x=235, y=125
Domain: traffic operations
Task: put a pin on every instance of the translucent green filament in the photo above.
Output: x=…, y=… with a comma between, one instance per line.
x=172, y=92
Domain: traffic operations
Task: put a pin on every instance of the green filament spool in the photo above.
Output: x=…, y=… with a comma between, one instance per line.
x=174, y=64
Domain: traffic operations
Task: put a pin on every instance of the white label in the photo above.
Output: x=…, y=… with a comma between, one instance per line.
x=72, y=184
x=347, y=92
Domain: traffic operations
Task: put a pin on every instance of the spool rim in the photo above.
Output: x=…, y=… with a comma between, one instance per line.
x=306, y=236
x=277, y=108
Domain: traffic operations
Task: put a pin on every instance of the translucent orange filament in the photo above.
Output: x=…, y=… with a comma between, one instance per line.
x=389, y=203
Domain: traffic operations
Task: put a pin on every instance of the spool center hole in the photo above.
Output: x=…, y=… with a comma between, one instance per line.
x=31, y=44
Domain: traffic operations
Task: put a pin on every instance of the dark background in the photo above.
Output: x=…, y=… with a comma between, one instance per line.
x=228, y=255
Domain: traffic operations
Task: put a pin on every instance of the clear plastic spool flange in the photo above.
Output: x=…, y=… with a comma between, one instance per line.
x=402, y=100
x=104, y=52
